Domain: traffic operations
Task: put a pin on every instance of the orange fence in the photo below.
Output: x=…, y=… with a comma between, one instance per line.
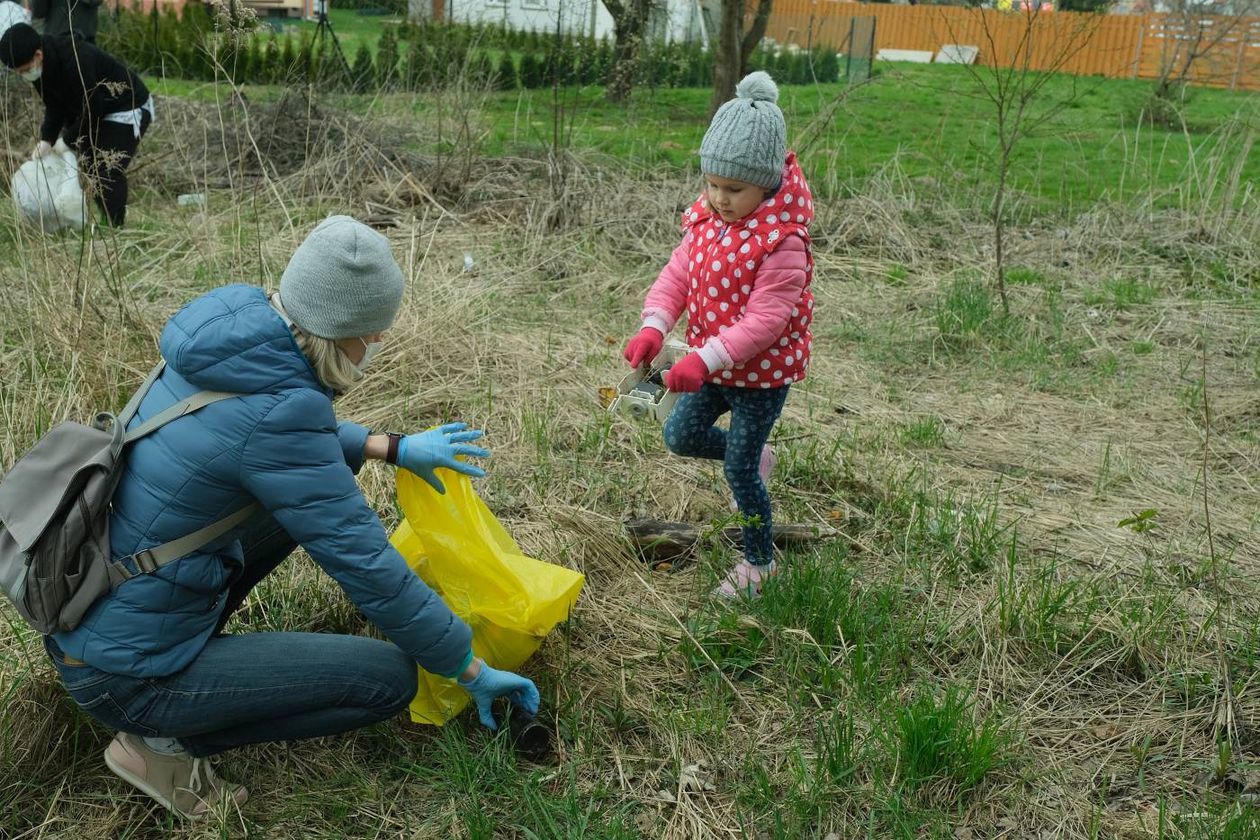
x=1222, y=51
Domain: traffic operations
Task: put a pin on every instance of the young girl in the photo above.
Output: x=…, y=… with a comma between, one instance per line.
x=742, y=275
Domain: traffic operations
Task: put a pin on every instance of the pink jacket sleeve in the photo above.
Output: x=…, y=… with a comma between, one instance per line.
x=668, y=295
x=777, y=290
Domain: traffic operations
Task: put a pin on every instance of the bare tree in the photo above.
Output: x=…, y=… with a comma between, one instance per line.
x=630, y=20
x=1013, y=83
x=1199, y=40
x=734, y=46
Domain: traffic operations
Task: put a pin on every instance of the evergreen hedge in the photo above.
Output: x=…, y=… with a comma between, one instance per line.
x=417, y=55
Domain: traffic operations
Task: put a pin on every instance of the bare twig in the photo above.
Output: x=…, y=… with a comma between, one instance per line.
x=1227, y=719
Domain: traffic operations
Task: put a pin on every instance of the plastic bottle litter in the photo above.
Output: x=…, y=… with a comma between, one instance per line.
x=468, y=261
x=191, y=200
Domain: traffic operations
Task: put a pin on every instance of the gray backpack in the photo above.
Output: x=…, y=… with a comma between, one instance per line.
x=54, y=515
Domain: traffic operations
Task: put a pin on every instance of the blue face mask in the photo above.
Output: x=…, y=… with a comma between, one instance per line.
x=33, y=74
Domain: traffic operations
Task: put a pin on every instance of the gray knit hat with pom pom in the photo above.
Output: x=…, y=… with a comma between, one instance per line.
x=747, y=140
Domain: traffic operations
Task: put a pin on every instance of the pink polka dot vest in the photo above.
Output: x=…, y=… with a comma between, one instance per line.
x=722, y=276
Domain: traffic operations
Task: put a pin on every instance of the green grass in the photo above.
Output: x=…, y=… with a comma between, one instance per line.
x=1207, y=822
x=1123, y=293
x=958, y=325
x=1042, y=609
x=821, y=598
x=352, y=29
x=724, y=641
x=924, y=432
x=939, y=737
x=897, y=274
x=1025, y=276
x=963, y=311
x=952, y=534
x=926, y=119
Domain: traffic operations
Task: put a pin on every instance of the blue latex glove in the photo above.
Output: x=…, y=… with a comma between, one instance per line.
x=426, y=452
x=491, y=684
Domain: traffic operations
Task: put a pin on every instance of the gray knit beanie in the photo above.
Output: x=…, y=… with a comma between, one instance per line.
x=342, y=282
x=747, y=140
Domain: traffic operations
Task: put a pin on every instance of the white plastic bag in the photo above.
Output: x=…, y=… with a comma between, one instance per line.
x=11, y=13
x=47, y=191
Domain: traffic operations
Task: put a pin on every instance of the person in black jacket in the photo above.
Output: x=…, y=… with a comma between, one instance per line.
x=100, y=106
x=61, y=17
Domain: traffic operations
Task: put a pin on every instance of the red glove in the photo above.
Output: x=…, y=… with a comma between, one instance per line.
x=644, y=347
x=688, y=374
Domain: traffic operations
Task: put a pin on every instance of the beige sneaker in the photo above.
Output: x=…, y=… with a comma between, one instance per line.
x=182, y=783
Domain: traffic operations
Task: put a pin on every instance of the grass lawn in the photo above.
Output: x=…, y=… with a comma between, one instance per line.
x=353, y=29
x=929, y=120
x=929, y=123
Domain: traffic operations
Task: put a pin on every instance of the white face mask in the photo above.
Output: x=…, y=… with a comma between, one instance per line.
x=370, y=349
x=33, y=74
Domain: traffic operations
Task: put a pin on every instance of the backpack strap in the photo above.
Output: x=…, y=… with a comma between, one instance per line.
x=152, y=559
x=133, y=404
x=199, y=400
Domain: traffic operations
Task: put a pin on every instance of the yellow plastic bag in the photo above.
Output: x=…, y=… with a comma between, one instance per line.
x=457, y=546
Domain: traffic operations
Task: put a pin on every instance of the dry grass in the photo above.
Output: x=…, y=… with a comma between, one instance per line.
x=1076, y=413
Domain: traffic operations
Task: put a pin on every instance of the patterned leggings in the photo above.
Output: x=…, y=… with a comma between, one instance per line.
x=690, y=431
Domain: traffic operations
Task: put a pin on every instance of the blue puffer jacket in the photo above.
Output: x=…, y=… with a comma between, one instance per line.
x=279, y=444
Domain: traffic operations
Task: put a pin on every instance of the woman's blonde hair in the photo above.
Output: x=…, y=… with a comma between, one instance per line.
x=330, y=364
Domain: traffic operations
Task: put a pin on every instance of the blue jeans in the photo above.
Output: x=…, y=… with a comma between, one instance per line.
x=690, y=431
x=254, y=687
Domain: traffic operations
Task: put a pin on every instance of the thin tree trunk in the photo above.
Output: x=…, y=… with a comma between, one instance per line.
x=621, y=76
x=756, y=31
x=999, y=224
x=629, y=22
x=726, y=55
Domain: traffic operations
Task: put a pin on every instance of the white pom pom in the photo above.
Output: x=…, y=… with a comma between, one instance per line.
x=758, y=87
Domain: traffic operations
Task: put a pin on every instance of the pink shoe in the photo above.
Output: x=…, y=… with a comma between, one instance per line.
x=745, y=580
x=765, y=469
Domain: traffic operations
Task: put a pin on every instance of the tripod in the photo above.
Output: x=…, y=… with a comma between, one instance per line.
x=324, y=31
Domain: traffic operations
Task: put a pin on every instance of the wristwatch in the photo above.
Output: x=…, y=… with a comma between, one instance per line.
x=391, y=453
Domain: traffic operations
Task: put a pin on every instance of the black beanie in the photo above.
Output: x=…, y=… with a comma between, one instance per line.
x=19, y=44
